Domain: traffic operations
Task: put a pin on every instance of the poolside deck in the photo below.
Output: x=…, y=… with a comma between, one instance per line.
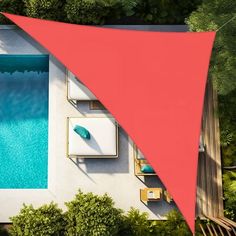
x=65, y=177
x=209, y=190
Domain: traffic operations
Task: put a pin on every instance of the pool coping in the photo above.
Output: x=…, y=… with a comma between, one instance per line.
x=8, y=27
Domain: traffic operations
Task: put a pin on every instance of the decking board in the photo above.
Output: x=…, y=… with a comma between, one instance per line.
x=209, y=181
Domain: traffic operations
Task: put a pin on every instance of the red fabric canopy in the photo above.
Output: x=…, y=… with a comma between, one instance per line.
x=153, y=83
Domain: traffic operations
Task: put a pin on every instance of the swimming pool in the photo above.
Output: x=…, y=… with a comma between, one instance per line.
x=24, y=121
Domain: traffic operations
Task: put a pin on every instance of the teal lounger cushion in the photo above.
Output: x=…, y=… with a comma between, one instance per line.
x=82, y=132
x=147, y=169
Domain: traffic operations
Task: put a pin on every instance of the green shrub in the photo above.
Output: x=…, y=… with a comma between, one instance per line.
x=45, y=220
x=211, y=15
x=88, y=11
x=128, y=7
x=97, y=12
x=229, y=179
x=11, y=6
x=46, y=9
x=135, y=223
x=165, y=12
x=93, y=215
x=90, y=214
x=227, y=116
x=174, y=225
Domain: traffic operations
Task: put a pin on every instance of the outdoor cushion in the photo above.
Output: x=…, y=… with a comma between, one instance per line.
x=77, y=90
x=82, y=132
x=147, y=169
x=103, y=137
x=140, y=156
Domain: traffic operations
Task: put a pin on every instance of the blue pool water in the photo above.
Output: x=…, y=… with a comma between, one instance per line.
x=23, y=121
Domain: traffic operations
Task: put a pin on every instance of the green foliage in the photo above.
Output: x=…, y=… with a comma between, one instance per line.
x=175, y=225
x=128, y=7
x=136, y=223
x=46, y=220
x=45, y=9
x=103, y=11
x=97, y=12
x=229, y=179
x=229, y=155
x=93, y=215
x=226, y=137
x=211, y=15
x=11, y=6
x=227, y=116
x=89, y=214
x=165, y=11
x=88, y=11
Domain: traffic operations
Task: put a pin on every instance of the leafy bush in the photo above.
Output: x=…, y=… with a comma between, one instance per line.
x=11, y=6
x=103, y=11
x=46, y=220
x=129, y=6
x=89, y=11
x=211, y=15
x=135, y=223
x=94, y=215
x=97, y=12
x=227, y=115
x=226, y=137
x=46, y=9
x=165, y=12
x=229, y=179
x=89, y=214
x=174, y=225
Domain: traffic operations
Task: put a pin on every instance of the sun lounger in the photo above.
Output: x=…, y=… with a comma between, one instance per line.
x=77, y=91
x=103, y=141
x=141, y=166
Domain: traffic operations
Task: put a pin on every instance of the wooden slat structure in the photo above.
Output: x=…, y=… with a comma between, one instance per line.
x=203, y=230
x=232, y=223
x=220, y=230
x=220, y=223
x=209, y=181
x=209, y=187
x=215, y=227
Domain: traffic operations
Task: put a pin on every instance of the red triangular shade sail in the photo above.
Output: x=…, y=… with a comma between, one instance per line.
x=153, y=83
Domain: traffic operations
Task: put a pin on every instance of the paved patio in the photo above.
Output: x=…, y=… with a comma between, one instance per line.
x=65, y=176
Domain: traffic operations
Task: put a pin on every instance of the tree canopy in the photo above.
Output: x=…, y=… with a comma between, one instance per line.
x=211, y=15
x=90, y=214
x=103, y=11
x=45, y=220
x=214, y=15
